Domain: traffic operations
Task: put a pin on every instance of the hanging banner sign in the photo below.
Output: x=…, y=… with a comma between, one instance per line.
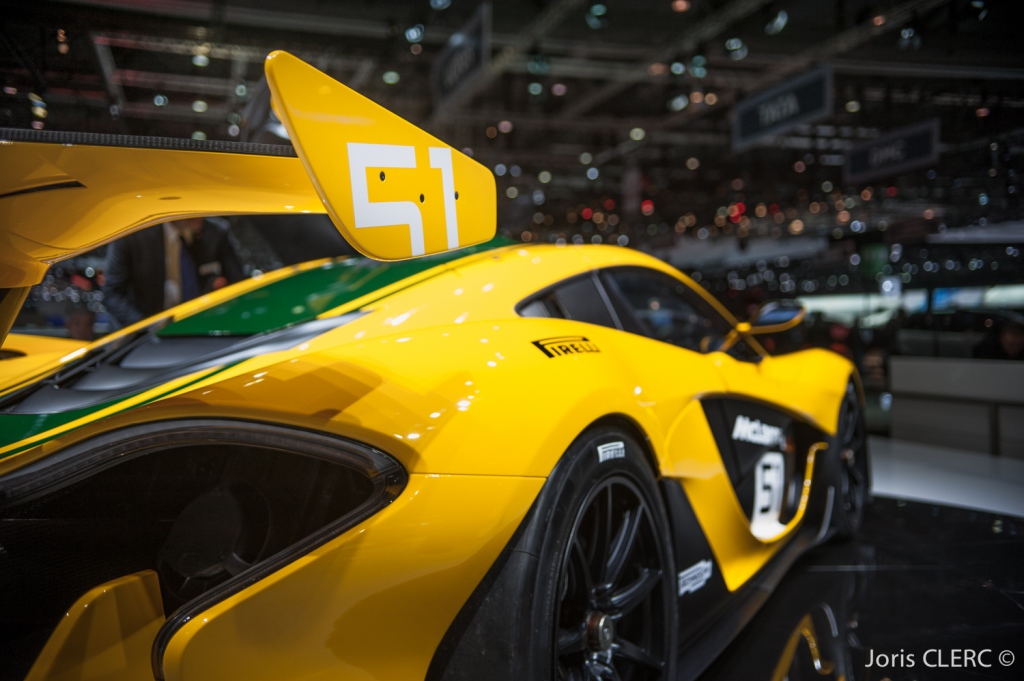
x=902, y=150
x=805, y=99
x=467, y=54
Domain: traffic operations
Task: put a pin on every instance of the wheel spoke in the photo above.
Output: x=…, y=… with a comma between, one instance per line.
x=635, y=653
x=613, y=565
x=599, y=670
x=856, y=476
x=855, y=441
x=607, y=534
x=633, y=595
x=570, y=641
x=622, y=545
x=583, y=566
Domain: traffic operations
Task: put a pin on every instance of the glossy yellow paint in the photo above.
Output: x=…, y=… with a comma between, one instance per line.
x=30, y=356
x=443, y=375
x=29, y=345
x=106, y=635
x=125, y=190
x=43, y=354
x=393, y=190
x=106, y=192
x=702, y=474
x=372, y=604
x=453, y=346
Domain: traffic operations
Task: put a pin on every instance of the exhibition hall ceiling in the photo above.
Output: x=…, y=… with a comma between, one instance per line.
x=643, y=118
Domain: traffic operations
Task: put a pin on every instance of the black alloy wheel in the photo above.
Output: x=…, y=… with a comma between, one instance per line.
x=854, y=480
x=586, y=589
x=610, y=614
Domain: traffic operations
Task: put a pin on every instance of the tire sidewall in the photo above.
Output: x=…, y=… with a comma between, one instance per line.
x=847, y=523
x=577, y=473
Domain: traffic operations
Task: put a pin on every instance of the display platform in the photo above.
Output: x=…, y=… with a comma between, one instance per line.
x=925, y=592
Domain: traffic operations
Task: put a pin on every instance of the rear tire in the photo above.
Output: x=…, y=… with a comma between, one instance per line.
x=853, y=470
x=607, y=561
x=586, y=588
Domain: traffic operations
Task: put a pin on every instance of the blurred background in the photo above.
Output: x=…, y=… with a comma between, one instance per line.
x=863, y=157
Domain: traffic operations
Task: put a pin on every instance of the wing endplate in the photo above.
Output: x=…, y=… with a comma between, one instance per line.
x=393, y=190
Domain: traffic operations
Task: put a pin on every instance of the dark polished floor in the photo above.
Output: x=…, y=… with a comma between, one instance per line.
x=918, y=596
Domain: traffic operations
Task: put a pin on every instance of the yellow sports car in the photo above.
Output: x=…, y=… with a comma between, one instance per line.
x=452, y=460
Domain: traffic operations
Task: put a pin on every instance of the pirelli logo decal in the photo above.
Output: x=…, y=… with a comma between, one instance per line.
x=566, y=345
x=612, y=450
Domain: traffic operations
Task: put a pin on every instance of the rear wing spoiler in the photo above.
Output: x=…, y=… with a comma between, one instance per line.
x=392, y=190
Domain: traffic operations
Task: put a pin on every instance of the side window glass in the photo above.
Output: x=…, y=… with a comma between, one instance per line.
x=541, y=307
x=581, y=300
x=578, y=299
x=667, y=310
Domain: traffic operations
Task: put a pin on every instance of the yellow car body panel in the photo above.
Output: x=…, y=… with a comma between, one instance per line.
x=437, y=371
x=372, y=604
x=28, y=356
x=410, y=193
x=125, y=190
x=106, y=635
x=369, y=380
x=109, y=191
x=441, y=375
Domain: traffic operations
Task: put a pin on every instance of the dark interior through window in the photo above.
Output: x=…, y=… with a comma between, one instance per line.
x=197, y=515
x=667, y=310
x=642, y=301
x=577, y=298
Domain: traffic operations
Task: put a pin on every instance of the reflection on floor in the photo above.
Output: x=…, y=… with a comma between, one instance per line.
x=952, y=477
x=922, y=584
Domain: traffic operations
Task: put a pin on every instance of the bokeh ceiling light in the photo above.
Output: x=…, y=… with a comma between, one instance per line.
x=597, y=16
x=777, y=23
x=414, y=34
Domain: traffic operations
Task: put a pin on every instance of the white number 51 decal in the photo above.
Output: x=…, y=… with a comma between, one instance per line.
x=387, y=213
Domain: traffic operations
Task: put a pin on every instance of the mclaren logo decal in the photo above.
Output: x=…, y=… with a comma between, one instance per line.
x=757, y=433
x=565, y=345
x=612, y=450
x=694, y=577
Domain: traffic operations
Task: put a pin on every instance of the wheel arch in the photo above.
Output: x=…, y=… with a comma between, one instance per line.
x=624, y=422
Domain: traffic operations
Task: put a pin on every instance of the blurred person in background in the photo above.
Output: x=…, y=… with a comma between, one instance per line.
x=1007, y=343
x=159, y=267
x=79, y=322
